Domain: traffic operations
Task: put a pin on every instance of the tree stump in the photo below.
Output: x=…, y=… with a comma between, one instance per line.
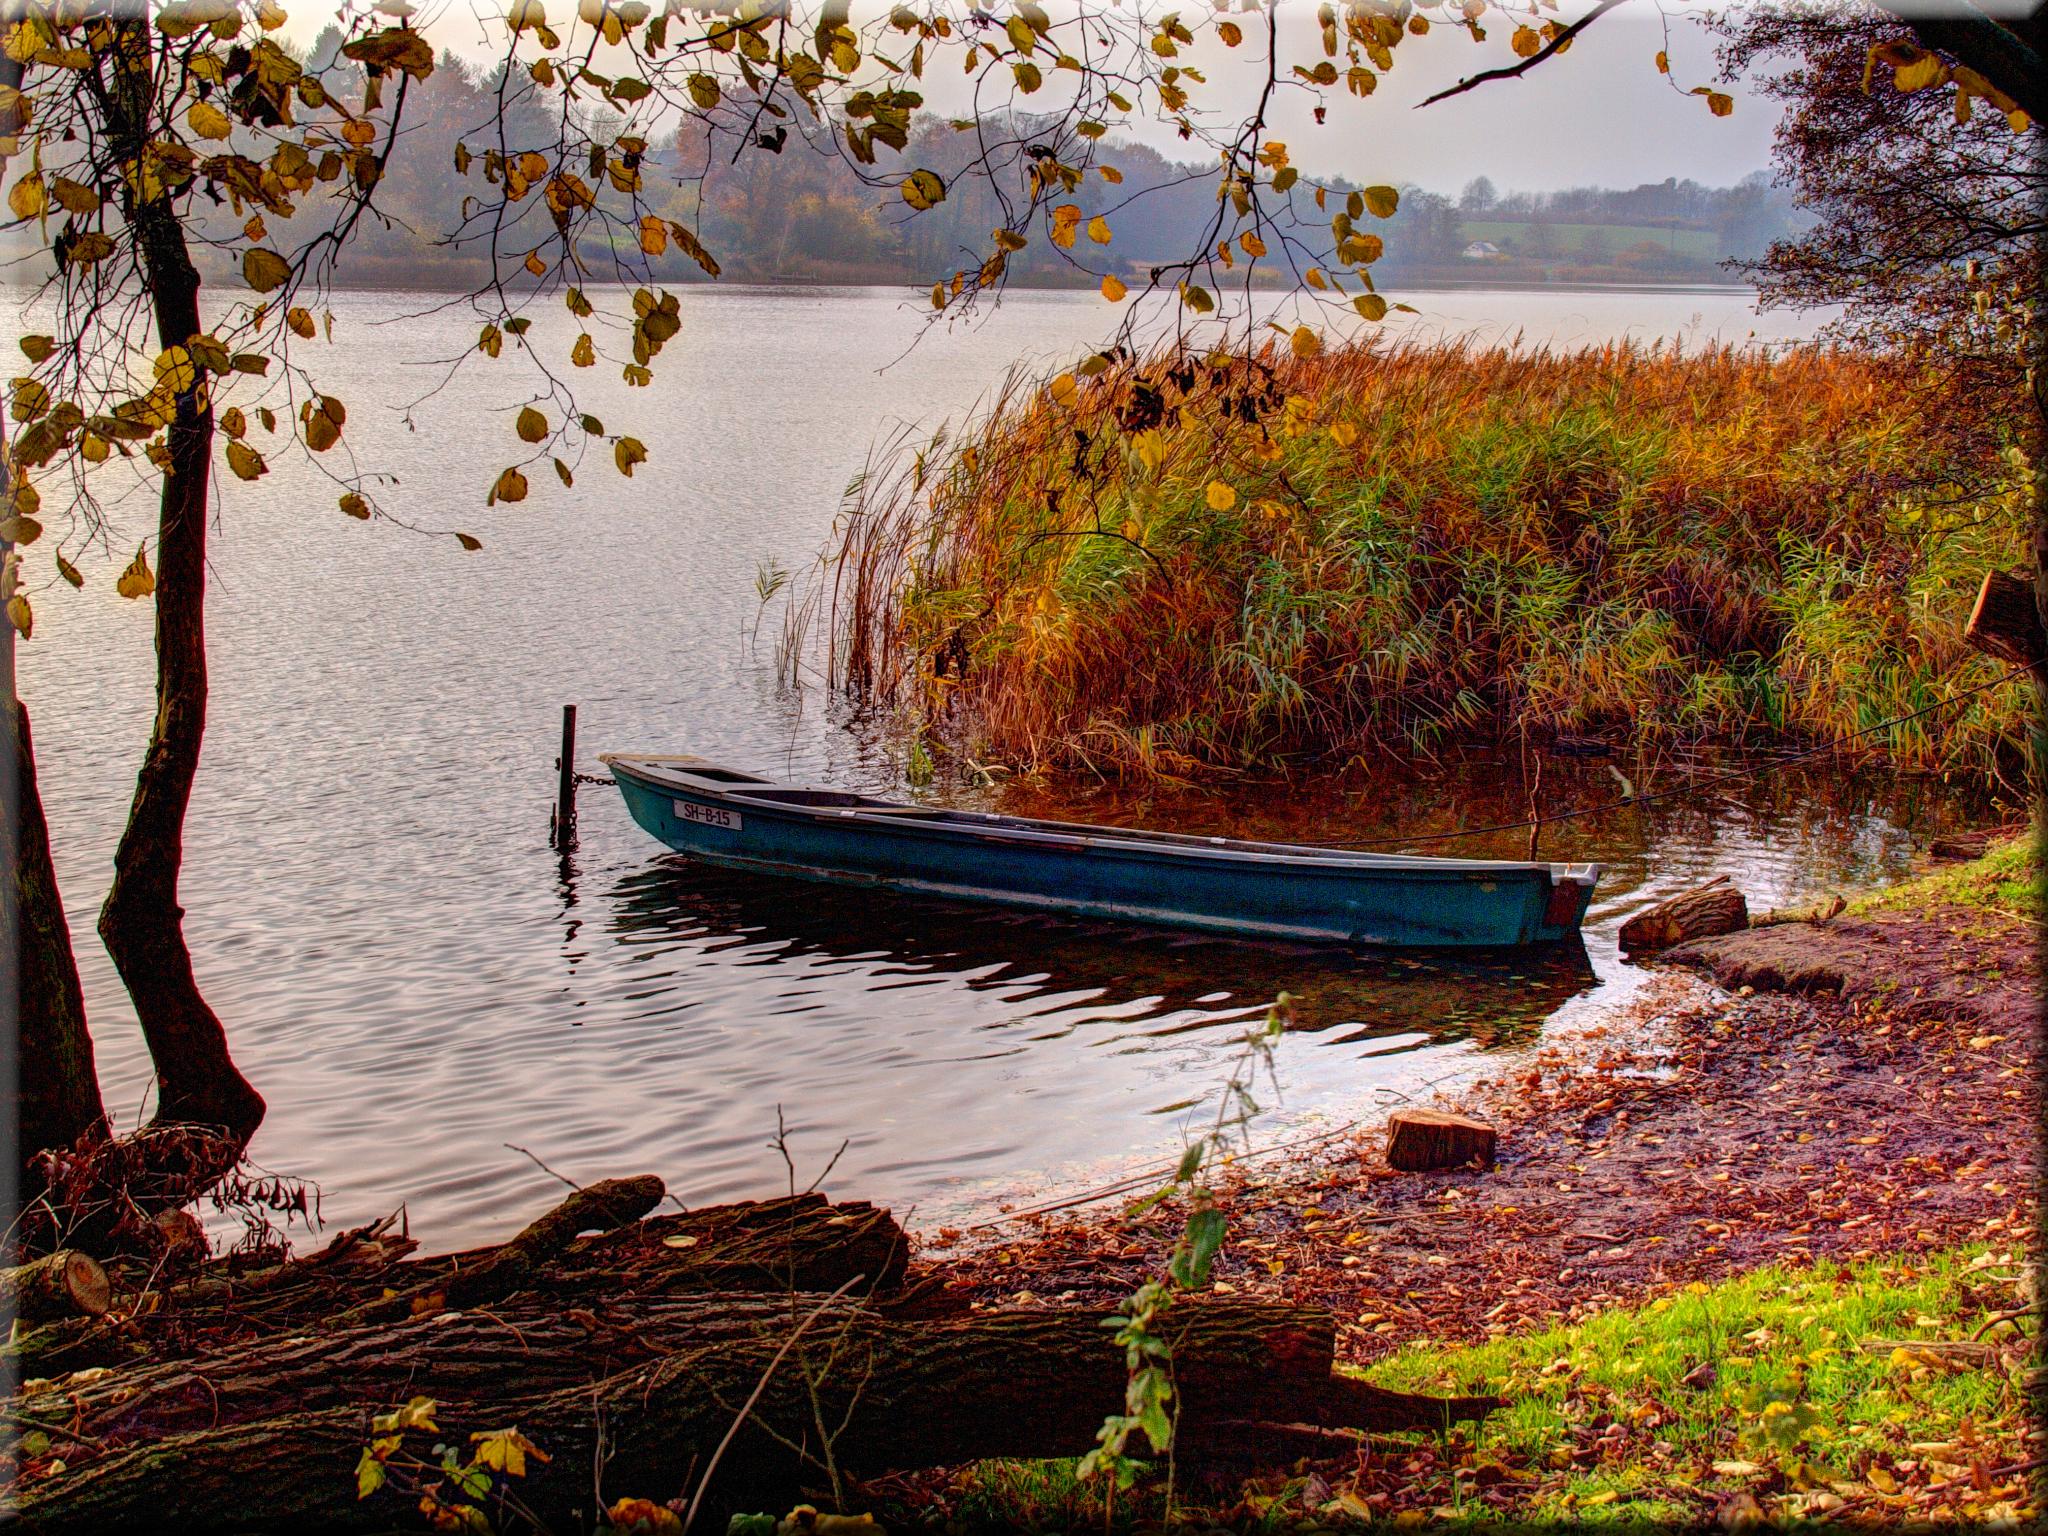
x=2006, y=623
x=63, y=1284
x=1714, y=908
x=1422, y=1139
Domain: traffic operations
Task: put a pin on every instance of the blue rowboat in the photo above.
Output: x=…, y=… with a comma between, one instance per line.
x=1217, y=884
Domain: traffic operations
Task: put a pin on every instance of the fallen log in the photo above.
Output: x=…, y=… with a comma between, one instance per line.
x=1423, y=1139
x=606, y=1206
x=59, y=1285
x=2006, y=621
x=1714, y=908
x=271, y=1435
x=803, y=1243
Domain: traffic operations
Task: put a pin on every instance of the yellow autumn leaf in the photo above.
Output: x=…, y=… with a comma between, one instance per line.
x=322, y=417
x=1370, y=305
x=1923, y=72
x=923, y=189
x=1720, y=103
x=1231, y=33
x=1221, y=496
x=354, y=505
x=653, y=235
x=510, y=486
x=1253, y=245
x=301, y=322
x=1112, y=289
x=1065, y=220
x=264, y=269
x=233, y=422
x=28, y=198
x=584, y=353
x=1150, y=447
x=627, y=452
x=1526, y=43
x=20, y=615
x=1343, y=434
x=1063, y=389
x=38, y=348
x=246, y=462
x=532, y=425
x=137, y=580
x=208, y=121
x=1098, y=230
x=1305, y=342
x=1382, y=201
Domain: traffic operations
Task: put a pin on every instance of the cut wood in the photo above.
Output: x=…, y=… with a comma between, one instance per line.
x=2006, y=622
x=62, y=1284
x=1713, y=908
x=1421, y=1139
x=270, y=1433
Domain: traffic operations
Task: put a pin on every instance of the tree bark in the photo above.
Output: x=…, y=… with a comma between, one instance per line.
x=56, y=1086
x=1713, y=909
x=141, y=922
x=269, y=1436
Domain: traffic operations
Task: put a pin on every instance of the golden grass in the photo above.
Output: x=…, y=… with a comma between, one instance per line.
x=1213, y=563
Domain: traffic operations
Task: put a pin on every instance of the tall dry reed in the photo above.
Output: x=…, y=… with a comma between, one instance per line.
x=1213, y=562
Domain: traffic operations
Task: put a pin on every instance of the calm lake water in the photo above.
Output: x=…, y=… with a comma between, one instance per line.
x=415, y=980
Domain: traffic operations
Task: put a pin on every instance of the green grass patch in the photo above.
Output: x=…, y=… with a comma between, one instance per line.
x=2007, y=878
x=1648, y=1415
x=1761, y=1381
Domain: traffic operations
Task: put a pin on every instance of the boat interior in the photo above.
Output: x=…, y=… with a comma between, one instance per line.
x=746, y=788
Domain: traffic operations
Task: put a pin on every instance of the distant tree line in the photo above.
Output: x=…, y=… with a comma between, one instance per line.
x=794, y=213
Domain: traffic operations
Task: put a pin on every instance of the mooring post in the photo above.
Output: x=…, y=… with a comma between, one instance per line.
x=565, y=794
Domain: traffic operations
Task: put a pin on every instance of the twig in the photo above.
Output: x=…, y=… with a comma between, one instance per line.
x=1510, y=71
x=746, y=1408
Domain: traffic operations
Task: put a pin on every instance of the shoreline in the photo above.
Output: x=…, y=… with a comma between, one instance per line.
x=1806, y=1111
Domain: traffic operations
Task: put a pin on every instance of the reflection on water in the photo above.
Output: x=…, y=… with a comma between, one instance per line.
x=1056, y=976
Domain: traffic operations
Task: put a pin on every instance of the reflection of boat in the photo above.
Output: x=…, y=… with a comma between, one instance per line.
x=1052, y=973
x=1217, y=884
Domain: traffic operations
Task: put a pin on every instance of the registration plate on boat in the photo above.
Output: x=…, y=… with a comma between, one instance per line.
x=708, y=815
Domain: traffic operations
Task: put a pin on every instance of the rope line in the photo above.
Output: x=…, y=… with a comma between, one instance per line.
x=1733, y=776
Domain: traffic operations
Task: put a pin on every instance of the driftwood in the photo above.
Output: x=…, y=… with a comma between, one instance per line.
x=2006, y=621
x=269, y=1434
x=1421, y=1139
x=1714, y=908
x=59, y=1285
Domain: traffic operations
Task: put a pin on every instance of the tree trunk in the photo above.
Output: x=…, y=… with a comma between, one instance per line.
x=1714, y=908
x=270, y=1435
x=142, y=923
x=57, y=1092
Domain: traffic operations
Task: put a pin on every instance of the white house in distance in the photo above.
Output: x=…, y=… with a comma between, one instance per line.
x=1482, y=250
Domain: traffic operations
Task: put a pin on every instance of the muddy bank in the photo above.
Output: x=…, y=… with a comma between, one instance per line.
x=1854, y=1087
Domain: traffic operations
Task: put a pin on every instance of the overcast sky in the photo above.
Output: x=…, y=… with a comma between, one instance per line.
x=1599, y=114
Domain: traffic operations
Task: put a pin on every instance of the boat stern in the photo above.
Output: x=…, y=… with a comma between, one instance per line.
x=1571, y=892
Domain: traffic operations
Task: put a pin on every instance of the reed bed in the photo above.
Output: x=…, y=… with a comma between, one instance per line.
x=1188, y=564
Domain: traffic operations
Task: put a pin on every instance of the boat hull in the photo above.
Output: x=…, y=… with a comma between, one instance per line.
x=1313, y=895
